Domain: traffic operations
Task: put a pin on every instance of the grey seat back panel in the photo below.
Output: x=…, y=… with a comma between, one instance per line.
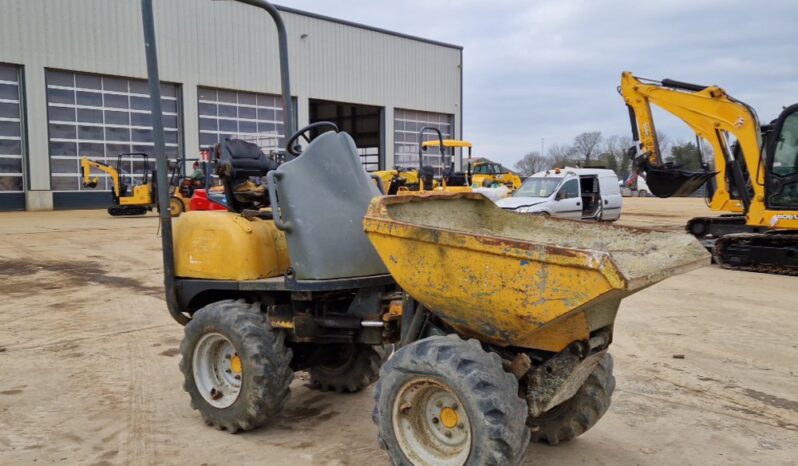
x=323, y=195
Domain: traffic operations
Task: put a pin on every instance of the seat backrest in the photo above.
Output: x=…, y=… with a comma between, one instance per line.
x=322, y=197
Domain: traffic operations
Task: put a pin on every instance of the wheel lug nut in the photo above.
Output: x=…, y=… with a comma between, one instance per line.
x=435, y=420
x=461, y=426
x=439, y=404
x=238, y=377
x=447, y=434
x=455, y=407
x=227, y=371
x=227, y=356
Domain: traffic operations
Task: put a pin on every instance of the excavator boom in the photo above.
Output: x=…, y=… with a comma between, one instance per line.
x=709, y=112
x=87, y=164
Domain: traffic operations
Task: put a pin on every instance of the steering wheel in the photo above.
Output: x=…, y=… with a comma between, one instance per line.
x=294, y=150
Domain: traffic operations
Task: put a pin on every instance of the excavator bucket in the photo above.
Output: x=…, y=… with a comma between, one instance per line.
x=664, y=182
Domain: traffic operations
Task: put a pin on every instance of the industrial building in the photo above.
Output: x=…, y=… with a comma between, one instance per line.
x=72, y=84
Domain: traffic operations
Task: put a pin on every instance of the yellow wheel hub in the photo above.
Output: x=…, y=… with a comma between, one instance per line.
x=235, y=364
x=449, y=418
x=174, y=207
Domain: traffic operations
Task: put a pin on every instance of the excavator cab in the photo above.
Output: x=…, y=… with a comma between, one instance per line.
x=782, y=163
x=126, y=179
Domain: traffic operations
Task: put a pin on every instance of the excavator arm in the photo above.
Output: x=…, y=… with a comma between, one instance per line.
x=87, y=164
x=711, y=114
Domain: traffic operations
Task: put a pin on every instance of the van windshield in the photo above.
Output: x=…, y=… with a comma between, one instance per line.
x=538, y=187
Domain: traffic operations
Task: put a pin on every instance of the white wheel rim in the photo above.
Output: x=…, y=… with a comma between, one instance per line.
x=428, y=432
x=217, y=370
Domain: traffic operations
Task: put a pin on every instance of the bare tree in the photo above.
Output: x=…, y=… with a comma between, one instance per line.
x=616, y=147
x=664, y=142
x=560, y=155
x=531, y=163
x=587, y=145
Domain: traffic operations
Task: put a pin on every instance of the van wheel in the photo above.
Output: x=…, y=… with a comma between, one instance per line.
x=642, y=193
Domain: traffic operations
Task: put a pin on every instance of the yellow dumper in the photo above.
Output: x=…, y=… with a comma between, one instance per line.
x=536, y=296
x=502, y=320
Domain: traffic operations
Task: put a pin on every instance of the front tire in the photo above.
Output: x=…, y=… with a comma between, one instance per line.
x=176, y=206
x=357, y=367
x=236, y=368
x=576, y=416
x=444, y=401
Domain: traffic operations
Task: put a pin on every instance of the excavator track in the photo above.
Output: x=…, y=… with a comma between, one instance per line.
x=775, y=252
x=708, y=229
x=127, y=210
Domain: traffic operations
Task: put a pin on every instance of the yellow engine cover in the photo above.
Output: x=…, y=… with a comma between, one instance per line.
x=226, y=246
x=139, y=195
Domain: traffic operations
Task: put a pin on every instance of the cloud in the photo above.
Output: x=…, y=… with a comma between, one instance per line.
x=549, y=68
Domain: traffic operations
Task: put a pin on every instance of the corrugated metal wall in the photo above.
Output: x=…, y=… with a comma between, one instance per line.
x=226, y=45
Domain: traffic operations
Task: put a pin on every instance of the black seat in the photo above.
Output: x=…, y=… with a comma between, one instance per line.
x=427, y=175
x=237, y=162
x=455, y=179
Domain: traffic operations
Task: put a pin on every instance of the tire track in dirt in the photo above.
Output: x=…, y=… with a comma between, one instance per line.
x=139, y=450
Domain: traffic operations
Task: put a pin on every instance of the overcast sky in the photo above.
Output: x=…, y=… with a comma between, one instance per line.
x=549, y=68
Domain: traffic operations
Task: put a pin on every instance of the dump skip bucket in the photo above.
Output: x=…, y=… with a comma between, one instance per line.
x=669, y=183
x=505, y=277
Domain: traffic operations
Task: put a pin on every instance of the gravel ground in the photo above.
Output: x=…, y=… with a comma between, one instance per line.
x=707, y=364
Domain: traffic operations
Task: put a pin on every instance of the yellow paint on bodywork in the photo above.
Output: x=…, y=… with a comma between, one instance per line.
x=487, y=283
x=140, y=195
x=226, y=246
x=560, y=334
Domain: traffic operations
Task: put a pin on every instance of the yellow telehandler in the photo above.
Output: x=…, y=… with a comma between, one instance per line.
x=488, y=174
x=501, y=322
x=754, y=180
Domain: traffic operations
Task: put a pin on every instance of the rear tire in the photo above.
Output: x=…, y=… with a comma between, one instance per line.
x=577, y=415
x=358, y=367
x=444, y=401
x=236, y=368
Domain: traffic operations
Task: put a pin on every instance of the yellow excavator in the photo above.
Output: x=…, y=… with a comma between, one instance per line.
x=132, y=199
x=754, y=180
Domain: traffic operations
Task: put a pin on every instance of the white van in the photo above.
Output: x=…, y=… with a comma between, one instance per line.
x=576, y=193
x=635, y=187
